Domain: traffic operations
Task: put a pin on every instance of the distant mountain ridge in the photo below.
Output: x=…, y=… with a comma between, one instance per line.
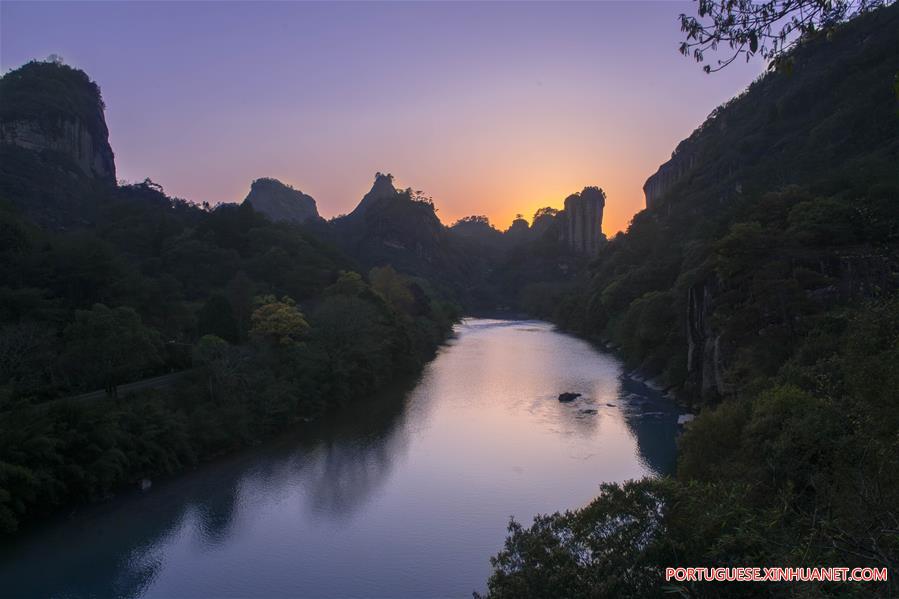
x=55, y=157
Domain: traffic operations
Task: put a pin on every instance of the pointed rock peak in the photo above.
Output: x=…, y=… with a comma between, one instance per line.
x=281, y=202
x=382, y=188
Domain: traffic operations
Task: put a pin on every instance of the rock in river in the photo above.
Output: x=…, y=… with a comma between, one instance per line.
x=568, y=396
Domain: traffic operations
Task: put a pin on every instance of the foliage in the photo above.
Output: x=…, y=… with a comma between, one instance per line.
x=114, y=342
x=48, y=92
x=770, y=27
x=387, y=282
x=216, y=317
x=611, y=548
x=476, y=219
x=89, y=305
x=278, y=321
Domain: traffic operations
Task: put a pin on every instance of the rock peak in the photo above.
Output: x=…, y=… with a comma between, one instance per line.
x=582, y=220
x=281, y=202
x=380, y=189
x=51, y=107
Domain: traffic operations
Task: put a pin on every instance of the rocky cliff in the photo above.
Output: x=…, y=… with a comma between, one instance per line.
x=50, y=108
x=281, y=202
x=381, y=189
x=705, y=365
x=581, y=221
x=683, y=160
x=776, y=217
x=791, y=128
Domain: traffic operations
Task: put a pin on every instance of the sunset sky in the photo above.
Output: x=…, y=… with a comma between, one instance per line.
x=490, y=108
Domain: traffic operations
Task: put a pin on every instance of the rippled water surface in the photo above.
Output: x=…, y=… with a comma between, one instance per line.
x=405, y=495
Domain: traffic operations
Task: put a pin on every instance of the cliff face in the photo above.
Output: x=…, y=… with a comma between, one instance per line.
x=772, y=221
x=67, y=136
x=853, y=275
x=281, y=202
x=784, y=128
x=705, y=367
x=581, y=221
x=50, y=108
x=683, y=160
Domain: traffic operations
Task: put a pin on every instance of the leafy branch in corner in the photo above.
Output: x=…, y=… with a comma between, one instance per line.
x=769, y=28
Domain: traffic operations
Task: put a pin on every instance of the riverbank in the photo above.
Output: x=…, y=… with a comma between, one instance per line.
x=61, y=455
x=405, y=494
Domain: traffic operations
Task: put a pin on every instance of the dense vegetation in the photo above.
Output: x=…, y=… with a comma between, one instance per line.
x=763, y=290
x=50, y=92
x=272, y=327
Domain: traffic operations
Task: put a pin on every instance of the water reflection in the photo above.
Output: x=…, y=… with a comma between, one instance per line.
x=407, y=494
x=652, y=418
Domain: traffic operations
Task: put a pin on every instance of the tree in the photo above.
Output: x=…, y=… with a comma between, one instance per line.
x=355, y=343
x=278, y=322
x=110, y=346
x=392, y=286
x=26, y=350
x=475, y=219
x=240, y=294
x=545, y=211
x=348, y=283
x=216, y=317
x=613, y=547
x=769, y=28
x=215, y=355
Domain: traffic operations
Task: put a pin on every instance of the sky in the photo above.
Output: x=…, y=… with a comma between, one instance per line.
x=493, y=108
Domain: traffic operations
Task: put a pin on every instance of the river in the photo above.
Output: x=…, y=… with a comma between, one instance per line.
x=405, y=495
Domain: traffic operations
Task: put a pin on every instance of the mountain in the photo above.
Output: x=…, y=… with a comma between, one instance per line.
x=281, y=202
x=54, y=145
x=50, y=107
x=381, y=189
x=782, y=205
x=400, y=229
x=829, y=121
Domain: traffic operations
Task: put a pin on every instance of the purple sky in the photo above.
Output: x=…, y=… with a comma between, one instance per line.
x=491, y=108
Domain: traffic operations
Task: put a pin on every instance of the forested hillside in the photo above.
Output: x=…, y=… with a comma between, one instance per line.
x=785, y=208
x=102, y=285
x=761, y=287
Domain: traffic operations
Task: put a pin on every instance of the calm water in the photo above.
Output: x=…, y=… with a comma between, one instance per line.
x=407, y=495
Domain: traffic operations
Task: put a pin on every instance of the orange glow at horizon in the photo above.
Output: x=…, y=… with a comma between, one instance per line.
x=624, y=198
x=490, y=108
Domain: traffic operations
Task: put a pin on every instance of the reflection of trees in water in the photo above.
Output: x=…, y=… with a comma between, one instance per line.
x=654, y=425
x=353, y=459
x=105, y=554
x=342, y=476
x=116, y=550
